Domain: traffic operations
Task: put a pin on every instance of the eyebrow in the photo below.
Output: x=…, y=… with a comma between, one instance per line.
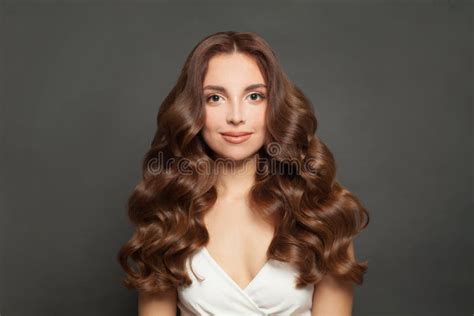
x=223, y=90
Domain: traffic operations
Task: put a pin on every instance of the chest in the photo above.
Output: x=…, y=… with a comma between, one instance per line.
x=235, y=275
x=238, y=240
x=271, y=292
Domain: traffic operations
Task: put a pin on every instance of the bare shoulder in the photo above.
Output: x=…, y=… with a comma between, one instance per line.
x=157, y=305
x=333, y=296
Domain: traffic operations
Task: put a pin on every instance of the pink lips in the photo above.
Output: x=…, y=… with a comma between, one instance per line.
x=236, y=137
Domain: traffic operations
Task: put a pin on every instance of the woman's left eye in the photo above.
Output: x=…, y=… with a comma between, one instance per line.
x=257, y=95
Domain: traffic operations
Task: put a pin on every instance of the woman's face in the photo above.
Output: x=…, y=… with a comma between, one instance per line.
x=235, y=100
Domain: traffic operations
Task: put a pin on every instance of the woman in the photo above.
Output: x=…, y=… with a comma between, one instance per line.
x=238, y=211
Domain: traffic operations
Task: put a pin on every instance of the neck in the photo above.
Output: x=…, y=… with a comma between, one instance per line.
x=236, y=178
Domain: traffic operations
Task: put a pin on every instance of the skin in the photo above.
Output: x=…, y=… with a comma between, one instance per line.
x=240, y=248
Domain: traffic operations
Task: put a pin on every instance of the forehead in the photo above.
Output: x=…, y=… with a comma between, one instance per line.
x=235, y=69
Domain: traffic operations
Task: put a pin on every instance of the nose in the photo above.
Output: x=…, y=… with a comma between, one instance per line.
x=236, y=113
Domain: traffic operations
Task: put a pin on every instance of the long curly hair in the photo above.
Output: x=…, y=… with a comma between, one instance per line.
x=315, y=217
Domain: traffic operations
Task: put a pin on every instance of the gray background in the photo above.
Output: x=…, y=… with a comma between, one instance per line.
x=81, y=85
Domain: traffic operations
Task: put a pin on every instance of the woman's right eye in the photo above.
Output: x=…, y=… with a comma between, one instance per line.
x=213, y=97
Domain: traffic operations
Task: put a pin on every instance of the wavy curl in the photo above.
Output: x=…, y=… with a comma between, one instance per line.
x=315, y=217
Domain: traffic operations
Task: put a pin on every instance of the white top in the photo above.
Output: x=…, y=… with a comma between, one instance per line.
x=271, y=292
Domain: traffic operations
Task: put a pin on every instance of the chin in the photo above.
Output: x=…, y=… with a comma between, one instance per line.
x=236, y=154
x=235, y=157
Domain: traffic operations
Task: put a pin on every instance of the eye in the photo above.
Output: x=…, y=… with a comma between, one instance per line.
x=214, y=97
x=256, y=95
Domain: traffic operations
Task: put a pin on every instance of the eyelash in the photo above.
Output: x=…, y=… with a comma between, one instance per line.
x=262, y=97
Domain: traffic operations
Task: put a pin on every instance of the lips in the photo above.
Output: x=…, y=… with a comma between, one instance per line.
x=235, y=134
x=236, y=137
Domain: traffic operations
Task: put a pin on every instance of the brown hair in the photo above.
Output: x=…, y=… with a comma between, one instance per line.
x=316, y=218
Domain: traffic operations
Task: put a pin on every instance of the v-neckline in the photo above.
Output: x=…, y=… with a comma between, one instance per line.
x=218, y=266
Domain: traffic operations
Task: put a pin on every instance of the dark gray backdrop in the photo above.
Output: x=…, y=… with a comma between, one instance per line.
x=81, y=85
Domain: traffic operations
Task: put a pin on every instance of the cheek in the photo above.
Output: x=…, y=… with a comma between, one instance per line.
x=213, y=123
x=212, y=119
x=259, y=118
